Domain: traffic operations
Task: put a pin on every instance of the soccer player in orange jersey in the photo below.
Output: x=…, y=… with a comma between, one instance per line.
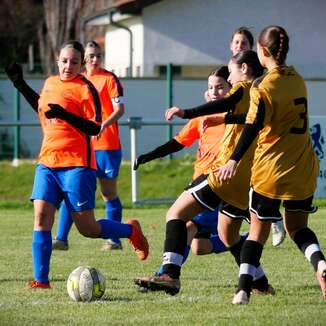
x=69, y=110
x=106, y=145
x=285, y=167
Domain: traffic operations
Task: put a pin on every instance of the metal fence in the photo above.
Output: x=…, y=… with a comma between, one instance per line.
x=134, y=124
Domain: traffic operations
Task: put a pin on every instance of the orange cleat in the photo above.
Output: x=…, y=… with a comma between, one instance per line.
x=322, y=282
x=38, y=285
x=138, y=240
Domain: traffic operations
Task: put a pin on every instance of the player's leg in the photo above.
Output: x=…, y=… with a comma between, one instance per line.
x=80, y=187
x=60, y=242
x=191, y=202
x=46, y=198
x=263, y=211
x=207, y=240
x=108, y=166
x=296, y=222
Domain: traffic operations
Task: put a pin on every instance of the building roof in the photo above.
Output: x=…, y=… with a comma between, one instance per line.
x=132, y=6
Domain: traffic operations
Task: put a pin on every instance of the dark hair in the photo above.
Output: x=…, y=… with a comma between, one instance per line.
x=222, y=72
x=245, y=31
x=276, y=40
x=75, y=45
x=250, y=58
x=92, y=44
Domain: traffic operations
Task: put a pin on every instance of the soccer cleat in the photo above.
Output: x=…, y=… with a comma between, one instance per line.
x=111, y=245
x=159, y=283
x=38, y=285
x=138, y=240
x=278, y=233
x=270, y=291
x=240, y=298
x=322, y=282
x=59, y=245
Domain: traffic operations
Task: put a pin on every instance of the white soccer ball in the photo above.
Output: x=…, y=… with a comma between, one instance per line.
x=85, y=284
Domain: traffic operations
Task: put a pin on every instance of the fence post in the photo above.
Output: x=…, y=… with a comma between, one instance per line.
x=169, y=100
x=134, y=124
x=15, y=161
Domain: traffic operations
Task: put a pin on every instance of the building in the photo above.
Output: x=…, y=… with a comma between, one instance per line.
x=194, y=35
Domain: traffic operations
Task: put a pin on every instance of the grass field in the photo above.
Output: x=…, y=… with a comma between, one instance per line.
x=207, y=282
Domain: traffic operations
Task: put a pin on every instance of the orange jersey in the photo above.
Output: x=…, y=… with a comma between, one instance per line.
x=64, y=145
x=109, y=88
x=209, y=142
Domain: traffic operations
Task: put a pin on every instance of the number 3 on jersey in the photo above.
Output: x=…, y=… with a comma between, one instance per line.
x=303, y=116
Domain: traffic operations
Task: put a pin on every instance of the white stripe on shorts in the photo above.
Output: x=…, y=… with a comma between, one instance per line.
x=172, y=258
x=247, y=269
x=193, y=190
x=311, y=249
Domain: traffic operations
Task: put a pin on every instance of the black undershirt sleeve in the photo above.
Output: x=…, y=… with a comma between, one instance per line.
x=169, y=147
x=249, y=133
x=89, y=127
x=29, y=94
x=213, y=107
x=238, y=119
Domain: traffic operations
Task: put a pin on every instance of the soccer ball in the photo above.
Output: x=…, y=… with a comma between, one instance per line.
x=85, y=284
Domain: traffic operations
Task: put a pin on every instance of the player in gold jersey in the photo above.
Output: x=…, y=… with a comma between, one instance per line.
x=206, y=192
x=285, y=167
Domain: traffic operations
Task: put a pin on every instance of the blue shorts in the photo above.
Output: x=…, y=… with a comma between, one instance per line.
x=108, y=163
x=75, y=185
x=206, y=221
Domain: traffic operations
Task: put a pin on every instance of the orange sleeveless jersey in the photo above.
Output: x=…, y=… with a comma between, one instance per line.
x=209, y=142
x=108, y=87
x=63, y=145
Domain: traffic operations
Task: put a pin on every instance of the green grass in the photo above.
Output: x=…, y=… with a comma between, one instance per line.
x=208, y=282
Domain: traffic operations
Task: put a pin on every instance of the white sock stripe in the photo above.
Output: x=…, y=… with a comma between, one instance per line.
x=311, y=249
x=172, y=258
x=259, y=273
x=247, y=269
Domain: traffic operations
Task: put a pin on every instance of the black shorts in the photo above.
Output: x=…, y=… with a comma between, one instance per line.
x=203, y=193
x=234, y=212
x=268, y=209
x=207, y=198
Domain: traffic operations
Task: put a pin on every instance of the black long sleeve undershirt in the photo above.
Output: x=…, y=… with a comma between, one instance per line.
x=87, y=126
x=29, y=94
x=169, y=147
x=238, y=119
x=213, y=107
x=249, y=133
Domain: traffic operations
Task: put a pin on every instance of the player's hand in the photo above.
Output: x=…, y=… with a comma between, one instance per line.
x=15, y=72
x=56, y=111
x=174, y=111
x=141, y=159
x=213, y=121
x=227, y=171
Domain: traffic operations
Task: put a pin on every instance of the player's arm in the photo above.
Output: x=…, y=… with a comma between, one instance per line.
x=223, y=105
x=169, y=147
x=118, y=112
x=15, y=74
x=88, y=127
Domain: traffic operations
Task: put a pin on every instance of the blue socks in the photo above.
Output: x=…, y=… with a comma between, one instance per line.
x=64, y=223
x=41, y=252
x=112, y=229
x=113, y=210
x=218, y=245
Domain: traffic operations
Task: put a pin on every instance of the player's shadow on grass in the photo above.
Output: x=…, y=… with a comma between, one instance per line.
x=116, y=299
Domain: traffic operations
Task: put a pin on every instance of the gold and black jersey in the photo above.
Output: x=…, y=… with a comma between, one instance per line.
x=236, y=191
x=285, y=165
